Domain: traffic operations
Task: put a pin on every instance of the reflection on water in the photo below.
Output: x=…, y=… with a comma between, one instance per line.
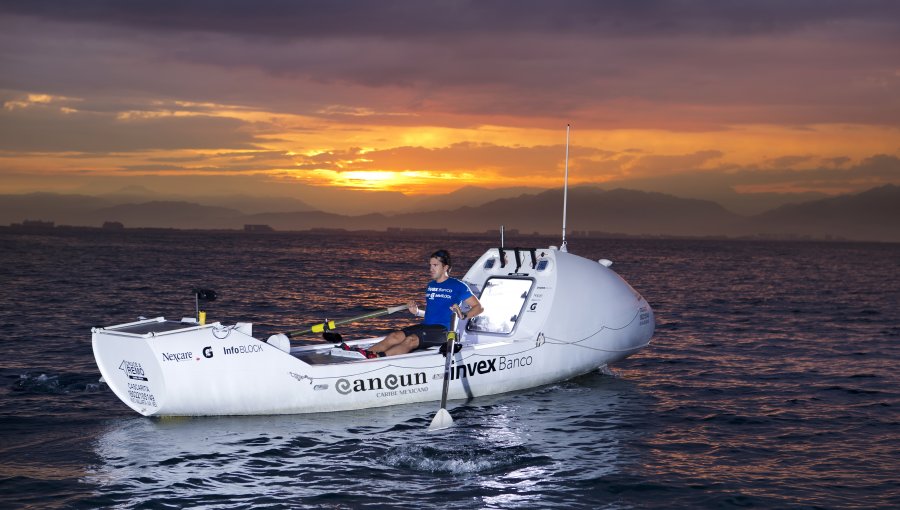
x=501, y=449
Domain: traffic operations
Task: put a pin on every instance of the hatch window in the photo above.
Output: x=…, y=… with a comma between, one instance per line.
x=503, y=300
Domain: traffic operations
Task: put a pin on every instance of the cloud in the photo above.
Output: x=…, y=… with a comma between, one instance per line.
x=701, y=90
x=671, y=65
x=820, y=176
x=466, y=157
x=787, y=162
x=44, y=128
x=656, y=165
x=421, y=19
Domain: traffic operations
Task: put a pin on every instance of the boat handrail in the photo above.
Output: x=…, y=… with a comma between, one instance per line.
x=153, y=334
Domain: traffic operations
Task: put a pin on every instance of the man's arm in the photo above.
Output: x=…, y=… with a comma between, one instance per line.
x=475, y=307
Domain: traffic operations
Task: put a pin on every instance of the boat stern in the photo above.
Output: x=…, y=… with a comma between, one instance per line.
x=129, y=366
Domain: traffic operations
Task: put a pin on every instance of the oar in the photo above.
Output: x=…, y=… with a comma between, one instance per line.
x=319, y=328
x=442, y=418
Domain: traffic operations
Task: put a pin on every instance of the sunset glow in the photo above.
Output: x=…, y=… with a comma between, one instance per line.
x=266, y=108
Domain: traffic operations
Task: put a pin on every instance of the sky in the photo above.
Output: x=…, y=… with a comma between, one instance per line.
x=301, y=98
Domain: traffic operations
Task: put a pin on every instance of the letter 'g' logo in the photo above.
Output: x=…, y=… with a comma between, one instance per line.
x=343, y=386
x=207, y=352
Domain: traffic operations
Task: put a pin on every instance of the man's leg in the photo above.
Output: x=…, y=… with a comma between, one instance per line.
x=408, y=344
x=393, y=339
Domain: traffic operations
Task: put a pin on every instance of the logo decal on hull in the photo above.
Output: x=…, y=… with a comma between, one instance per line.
x=138, y=393
x=133, y=370
x=301, y=377
x=177, y=356
x=645, y=316
x=391, y=386
x=243, y=349
x=486, y=366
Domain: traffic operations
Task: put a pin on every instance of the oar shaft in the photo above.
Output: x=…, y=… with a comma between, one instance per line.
x=319, y=328
x=331, y=324
x=451, y=341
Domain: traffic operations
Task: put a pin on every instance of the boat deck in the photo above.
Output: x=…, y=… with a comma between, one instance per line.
x=153, y=327
x=324, y=357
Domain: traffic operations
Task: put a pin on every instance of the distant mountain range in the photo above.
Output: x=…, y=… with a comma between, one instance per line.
x=870, y=215
x=471, y=196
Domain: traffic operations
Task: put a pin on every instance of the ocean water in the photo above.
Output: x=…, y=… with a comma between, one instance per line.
x=772, y=381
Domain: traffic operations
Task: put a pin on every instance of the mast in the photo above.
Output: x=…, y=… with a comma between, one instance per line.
x=565, y=194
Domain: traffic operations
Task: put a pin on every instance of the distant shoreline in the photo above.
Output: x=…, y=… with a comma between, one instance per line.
x=418, y=232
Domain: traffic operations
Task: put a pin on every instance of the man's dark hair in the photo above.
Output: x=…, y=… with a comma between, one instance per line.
x=443, y=256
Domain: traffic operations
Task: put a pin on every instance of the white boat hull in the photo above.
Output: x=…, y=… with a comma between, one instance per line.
x=577, y=316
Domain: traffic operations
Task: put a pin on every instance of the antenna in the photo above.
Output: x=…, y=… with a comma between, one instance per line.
x=565, y=193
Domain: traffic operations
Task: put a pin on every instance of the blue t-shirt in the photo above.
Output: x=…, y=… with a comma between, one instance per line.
x=439, y=297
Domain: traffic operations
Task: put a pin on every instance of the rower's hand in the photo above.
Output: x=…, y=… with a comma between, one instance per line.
x=457, y=310
x=412, y=307
x=443, y=350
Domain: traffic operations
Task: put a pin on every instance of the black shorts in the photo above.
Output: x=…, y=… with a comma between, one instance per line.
x=430, y=335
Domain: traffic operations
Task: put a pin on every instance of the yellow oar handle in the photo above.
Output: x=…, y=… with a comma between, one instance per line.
x=318, y=328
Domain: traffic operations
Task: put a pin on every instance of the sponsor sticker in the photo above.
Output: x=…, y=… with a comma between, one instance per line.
x=243, y=349
x=133, y=370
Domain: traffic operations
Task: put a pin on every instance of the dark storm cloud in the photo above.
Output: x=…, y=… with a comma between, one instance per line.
x=414, y=18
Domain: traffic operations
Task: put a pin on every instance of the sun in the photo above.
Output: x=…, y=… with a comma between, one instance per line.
x=374, y=180
x=405, y=181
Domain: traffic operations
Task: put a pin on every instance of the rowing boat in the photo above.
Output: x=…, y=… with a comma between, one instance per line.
x=549, y=315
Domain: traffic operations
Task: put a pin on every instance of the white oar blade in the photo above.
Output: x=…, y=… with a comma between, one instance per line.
x=395, y=309
x=442, y=420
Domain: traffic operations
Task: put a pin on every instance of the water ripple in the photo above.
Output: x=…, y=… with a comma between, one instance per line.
x=770, y=382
